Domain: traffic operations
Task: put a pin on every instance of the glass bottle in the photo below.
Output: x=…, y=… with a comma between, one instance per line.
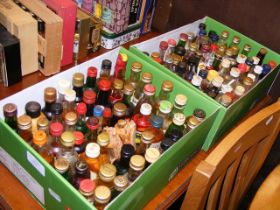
x=158, y=133
x=246, y=49
x=224, y=67
x=120, y=67
x=255, y=74
x=151, y=156
x=136, y=167
x=168, y=63
x=33, y=109
x=165, y=109
x=183, y=38
x=179, y=50
x=10, y=115
x=146, y=140
x=69, y=101
x=89, y=97
x=223, y=38
x=177, y=125
x=164, y=94
x=103, y=141
x=98, y=113
x=176, y=60
x=179, y=104
x=209, y=59
x=107, y=115
x=181, y=69
x=163, y=45
x=156, y=57
x=190, y=53
x=81, y=121
x=105, y=69
x=235, y=41
x=120, y=184
x=247, y=83
x=122, y=165
x=86, y=188
x=80, y=144
x=102, y=196
x=116, y=94
x=149, y=93
x=92, y=125
x=196, y=81
x=261, y=55
x=265, y=71
x=238, y=92
x=43, y=124
x=49, y=98
x=225, y=100
x=70, y=121
x=191, y=37
x=171, y=47
x=57, y=110
x=56, y=129
x=91, y=156
x=24, y=123
x=40, y=146
x=81, y=172
x=61, y=165
x=119, y=112
x=107, y=174
x=103, y=93
x=135, y=73
x=191, y=123
x=127, y=95
x=165, y=144
x=78, y=84
x=214, y=87
x=91, y=78
x=63, y=85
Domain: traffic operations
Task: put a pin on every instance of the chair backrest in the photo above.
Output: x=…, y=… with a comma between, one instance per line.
x=220, y=181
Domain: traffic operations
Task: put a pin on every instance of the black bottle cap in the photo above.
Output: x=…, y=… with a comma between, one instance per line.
x=33, y=109
x=81, y=167
x=202, y=26
x=56, y=108
x=106, y=64
x=166, y=143
x=199, y=113
x=127, y=151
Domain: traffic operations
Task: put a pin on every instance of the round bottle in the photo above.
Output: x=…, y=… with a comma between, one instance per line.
x=81, y=172
x=49, y=98
x=116, y=93
x=107, y=173
x=191, y=123
x=146, y=141
x=199, y=114
x=179, y=104
x=87, y=187
x=135, y=73
x=91, y=78
x=120, y=184
x=63, y=85
x=89, y=97
x=165, y=109
x=164, y=94
x=148, y=97
x=92, y=125
x=105, y=69
x=80, y=144
x=61, y=165
x=43, y=124
x=24, y=123
x=127, y=97
x=10, y=114
x=119, y=112
x=78, y=84
x=56, y=129
x=136, y=167
x=91, y=157
x=122, y=165
x=102, y=196
x=69, y=101
x=40, y=145
x=151, y=156
x=33, y=109
x=103, y=93
x=56, y=109
x=177, y=125
x=70, y=120
x=103, y=141
x=158, y=133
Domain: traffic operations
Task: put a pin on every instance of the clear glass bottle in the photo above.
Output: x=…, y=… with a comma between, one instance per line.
x=81, y=172
x=92, y=125
x=80, y=143
x=171, y=47
x=165, y=144
x=98, y=113
x=224, y=67
x=122, y=165
x=86, y=188
x=43, y=125
x=168, y=62
x=135, y=73
x=49, y=98
x=151, y=156
x=235, y=41
x=247, y=83
x=163, y=45
x=70, y=120
x=120, y=66
x=91, y=78
x=103, y=93
x=191, y=123
x=127, y=96
x=158, y=133
x=179, y=104
x=40, y=146
x=103, y=141
x=89, y=97
x=33, y=109
x=149, y=97
x=63, y=85
x=177, y=125
x=81, y=121
x=78, y=84
x=91, y=156
x=56, y=129
x=107, y=174
x=246, y=49
x=214, y=87
x=209, y=59
x=24, y=123
x=105, y=69
x=190, y=53
x=119, y=112
x=146, y=140
x=10, y=115
x=57, y=110
x=199, y=114
x=165, y=109
x=136, y=167
x=120, y=184
x=117, y=93
x=61, y=165
x=164, y=94
x=191, y=38
x=223, y=38
x=69, y=101
x=176, y=60
x=102, y=196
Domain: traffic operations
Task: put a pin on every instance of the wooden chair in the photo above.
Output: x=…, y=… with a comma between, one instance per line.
x=220, y=181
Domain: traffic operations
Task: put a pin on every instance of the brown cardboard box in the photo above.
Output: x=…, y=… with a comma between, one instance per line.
x=24, y=27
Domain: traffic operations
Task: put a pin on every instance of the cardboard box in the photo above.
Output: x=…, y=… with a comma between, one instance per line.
x=24, y=27
x=227, y=117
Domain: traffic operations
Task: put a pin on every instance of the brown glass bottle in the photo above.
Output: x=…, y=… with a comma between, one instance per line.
x=89, y=97
x=81, y=172
x=146, y=140
x=119, y=112
x=49, y=98
x=120, y=184
x=103, y=93
x=10, y=114
x=78, y=84
x=40, y=145
x=149, y=97
x=107, y=173
x=24, y=123
x=92, y=125
x=136, y=167
x=105, y=69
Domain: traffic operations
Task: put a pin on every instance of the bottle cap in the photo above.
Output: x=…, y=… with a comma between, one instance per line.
x=63, y=84
x=243, y=68
x=124, y=57
x=70, y=118
x=118, y=84
x=149, y=89
x=81, y=166
x=247, y=48
x=272, y=64
x=57, y=108
x=236, y=40
x=92, y=150
x=39, y=138
x=92, y=123
x=199, y=114
x=137, y=162
x=146, y=109
x=190, y=36
x=80, y=138
x=226, y=100
x=183, y=37
x=165, y=106
x=239, y=90
x=107, y=112
x=107, y=172
x=87, y=187
x=67, y=139
x=252, y=76
x=136, y=67
x=127, y=151
x=196, y=80
x=98, y=111
x=192, y=122
x=120, y=182
x=104, y=85
x=156, y=121
x=42, y=123
x=147, y=136
x=234, y=72
x=171, y=42
x=248, y=81
x=263, y=51
x=225, y=63
x=61, y=165
x=106, y=64
x=147, y=77
x=181, y=100
x=128, y=89
x=92, y=71
x=163, y=45
x=258, y=69
x=50, y=94
x=89, y=96
x=226, y=88
x=211, y=75
x=152, y=155
x=155, y=55
x=266, y=68
x=256, y=60
x=32, y=109
x=218, y=81
x=229, y=52
x=193, y=47
x=203, y=73
x=56, y=129
x=225, y=34
x=78, y=80
x=241, y=58
x=179, y=119
x=102, y=194
x=103, y=139
x=24, y=122
x=119, y=109
x=10, y=110
x=69, y=95
x=81, y=108
x=169, y=59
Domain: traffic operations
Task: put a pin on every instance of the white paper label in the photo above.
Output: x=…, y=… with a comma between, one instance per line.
x=54, y=195
x=155, y=145
x=35, y=163
x=26, y=179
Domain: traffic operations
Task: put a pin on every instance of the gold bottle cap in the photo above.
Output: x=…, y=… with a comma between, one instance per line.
x=147, y=136
x=147, y=77
x=248, y=81
x=225, y=34
x=226, y=100
x=239, y=90
x=10, y=110
x=192, y=122
x=50, y=94
x=121, y=182
x=42, y=123
x=69, y=95
x=61, y=165
x=24, y=122
x=103, y=139
x=128, y=89
x=155, y=55
x=263, y=51
x=107, y=172
x=176, y=59
x=211, y=75
x=229, y=52
x=102, y=194
x=225, y=63
x=222, y=50
x=167, y=85
x=118, y=84
x=121, y=123
x=71, y=118
x=137, y=162
x=236, y=40
x=119, y=109
x=218, y=81
x=78, y=80
x=193, y=46
x=181, y=99
x=39, y=138
x=136, y=67
x=152, y=155
x=247, y=47
x=235, y=50
x=68, y=139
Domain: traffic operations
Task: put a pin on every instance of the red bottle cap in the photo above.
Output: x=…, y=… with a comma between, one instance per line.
x=56, y=129
x=107, y=112
x=104, y=84
x=163, y=45
x=214, y=47
x=183, y=36
x=89, y=96
x=171, y=42
x=149, y=88
x=93, y=123
x=81, y=108
x=92, y=71
x=243, y=68
x=272, y=64
x=79, y=137
x=87, y=185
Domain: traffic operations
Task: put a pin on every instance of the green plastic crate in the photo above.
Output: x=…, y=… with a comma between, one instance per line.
x=53, y=192
x=227, y=117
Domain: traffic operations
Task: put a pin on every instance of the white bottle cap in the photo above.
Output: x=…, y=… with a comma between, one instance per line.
x=234, y=72
x=179, y=119
x=146, y=109
x=241, y=58
x=181, y=99
x=196, y=80
x=92, y=150
x=258, y=69
x=225, y=63
x=256, y=60
x=217, y=81
x=239, y=90
x=69, y=95
x=252, y=76
x=63, y=84
x=226, y=88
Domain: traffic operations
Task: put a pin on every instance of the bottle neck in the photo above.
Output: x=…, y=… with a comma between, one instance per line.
x=48, y=106
x=91, y=83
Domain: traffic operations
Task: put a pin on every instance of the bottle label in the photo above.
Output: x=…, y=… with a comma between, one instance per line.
x=76, y=46
x=107, y=15
x=155, y=145
x=93, y=175
x=138, y=137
